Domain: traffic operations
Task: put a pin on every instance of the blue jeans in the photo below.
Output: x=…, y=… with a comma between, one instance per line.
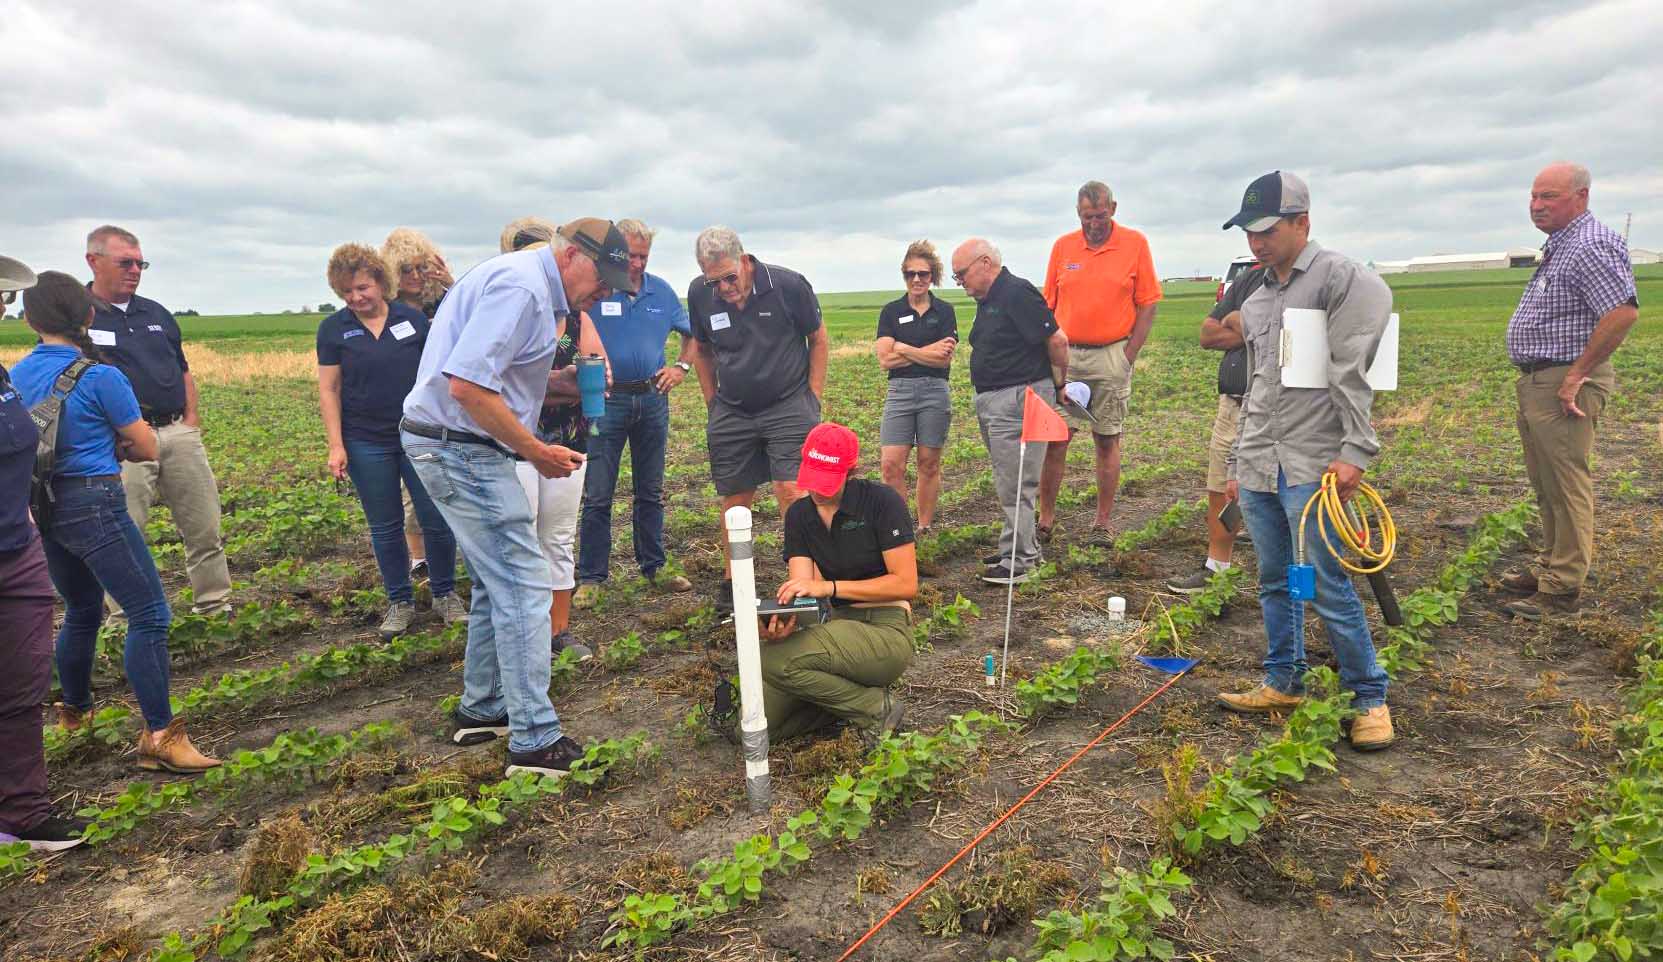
x=375, y=468
x=1272, y=520
x=506, y=668
x=643, y=422
x=92, y=547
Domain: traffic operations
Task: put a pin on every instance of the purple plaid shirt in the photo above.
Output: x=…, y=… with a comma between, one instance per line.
x=1585, y=272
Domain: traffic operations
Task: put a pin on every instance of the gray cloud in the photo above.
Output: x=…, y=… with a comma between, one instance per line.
x=243, y=141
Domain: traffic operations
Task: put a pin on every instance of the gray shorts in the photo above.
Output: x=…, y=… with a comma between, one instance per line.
x=750, y=448
x=917, y=411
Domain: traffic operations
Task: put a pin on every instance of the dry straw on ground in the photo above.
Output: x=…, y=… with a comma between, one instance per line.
x=212, y=366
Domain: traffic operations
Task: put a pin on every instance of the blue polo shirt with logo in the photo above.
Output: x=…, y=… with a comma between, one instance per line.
x=144, y=342
x=634, y=327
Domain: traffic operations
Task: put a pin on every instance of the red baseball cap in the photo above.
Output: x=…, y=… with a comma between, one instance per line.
x=829, y=454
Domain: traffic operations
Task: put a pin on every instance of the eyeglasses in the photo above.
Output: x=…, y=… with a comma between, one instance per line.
x=917, y=275
x=128, y=263
x=731, y=277
x=958, y=275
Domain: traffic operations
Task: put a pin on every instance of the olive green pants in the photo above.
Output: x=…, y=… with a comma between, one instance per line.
x=839, y=669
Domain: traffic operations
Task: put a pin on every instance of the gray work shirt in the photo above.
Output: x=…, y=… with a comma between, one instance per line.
x=1302, y=430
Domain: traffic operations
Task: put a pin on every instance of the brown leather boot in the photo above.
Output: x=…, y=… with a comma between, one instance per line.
x=171, y=750
x=1372, y=730
x=1261, y=699
x=1519, y=580
x=70, y=719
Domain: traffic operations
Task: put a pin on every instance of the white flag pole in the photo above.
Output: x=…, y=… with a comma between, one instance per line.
x=1016, y=532
x=753, y=724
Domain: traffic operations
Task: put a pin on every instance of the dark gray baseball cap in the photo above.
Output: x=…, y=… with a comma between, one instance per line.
x=1270, y=198
x=599, y=239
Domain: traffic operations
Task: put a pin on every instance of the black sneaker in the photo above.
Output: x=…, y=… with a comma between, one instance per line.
x=54, y=834
x=556, y=759
x=1001, y=574
x=724, y=597
x=564, y=641
x=468, y=730
x=1193, y=583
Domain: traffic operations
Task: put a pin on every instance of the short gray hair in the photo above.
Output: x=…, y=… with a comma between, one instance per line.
x=1580, y=178
x=630, y=227
x=1096, y=193
x=100, y=235
x=717, y=244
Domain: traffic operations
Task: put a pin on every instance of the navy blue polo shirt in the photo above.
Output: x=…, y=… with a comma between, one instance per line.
x=633, y=327
x=899, y=320
x=376, y=372
x=17, y=465
x=144, y=342
x=761, y=351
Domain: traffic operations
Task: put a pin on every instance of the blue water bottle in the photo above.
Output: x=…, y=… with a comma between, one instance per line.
x=591, y=384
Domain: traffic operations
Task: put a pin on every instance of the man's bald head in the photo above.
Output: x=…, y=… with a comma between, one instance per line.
x=976, y=264
x=1559, y=195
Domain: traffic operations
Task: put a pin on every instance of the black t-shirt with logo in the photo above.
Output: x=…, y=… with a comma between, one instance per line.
x=376, y=372
x=761, y=352
x=900, y=320
x=1007, y=339
x=144, y=342
x=1232, y=367
x=870, y=520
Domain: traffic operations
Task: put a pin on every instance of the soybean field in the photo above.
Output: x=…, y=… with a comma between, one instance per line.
x=1519, y=816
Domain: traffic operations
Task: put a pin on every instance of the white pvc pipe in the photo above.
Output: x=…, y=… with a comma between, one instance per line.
x=753, y=722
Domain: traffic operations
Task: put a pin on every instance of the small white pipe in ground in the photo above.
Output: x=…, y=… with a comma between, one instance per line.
x=753, y=722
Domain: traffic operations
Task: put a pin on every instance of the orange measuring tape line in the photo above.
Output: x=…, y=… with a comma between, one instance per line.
x=851, y=950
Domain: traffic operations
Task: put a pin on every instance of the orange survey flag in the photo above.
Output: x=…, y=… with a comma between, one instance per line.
x=1039, y=421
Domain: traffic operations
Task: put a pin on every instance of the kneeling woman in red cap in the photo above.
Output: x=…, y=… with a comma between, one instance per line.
x=849, y=543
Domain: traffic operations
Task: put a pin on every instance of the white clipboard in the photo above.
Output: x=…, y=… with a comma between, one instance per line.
x=1304, y=351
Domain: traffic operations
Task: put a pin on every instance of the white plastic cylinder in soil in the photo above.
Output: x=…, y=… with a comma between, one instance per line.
x=753, y=722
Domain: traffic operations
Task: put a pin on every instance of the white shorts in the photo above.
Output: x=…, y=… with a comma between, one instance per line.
x=554, y=506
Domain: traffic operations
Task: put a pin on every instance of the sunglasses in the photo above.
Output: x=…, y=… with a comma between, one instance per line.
x=916, y=275
x=412, y=269
x=128, y=263
x=731, y=277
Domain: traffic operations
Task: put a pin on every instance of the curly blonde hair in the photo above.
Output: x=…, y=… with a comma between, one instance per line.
x=406, y=245
x=923, y=250
x=348, y=259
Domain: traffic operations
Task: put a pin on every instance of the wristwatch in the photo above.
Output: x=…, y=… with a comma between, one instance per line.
x=685, y=367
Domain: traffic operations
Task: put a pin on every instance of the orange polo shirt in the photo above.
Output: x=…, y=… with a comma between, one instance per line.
x=1095, y=294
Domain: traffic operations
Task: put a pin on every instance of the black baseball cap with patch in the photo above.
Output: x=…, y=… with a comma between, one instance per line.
x=603, y=243
x=1269, y=199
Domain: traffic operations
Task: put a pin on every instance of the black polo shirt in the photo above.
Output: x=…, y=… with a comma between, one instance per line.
x=1007, y=339
x=762, y=351
x=144, y=342
x=17, y=466
x=899, y=320
x=376, y=372
x=870, y=520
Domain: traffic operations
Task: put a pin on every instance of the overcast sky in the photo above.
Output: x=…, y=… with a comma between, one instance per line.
x=243, y=141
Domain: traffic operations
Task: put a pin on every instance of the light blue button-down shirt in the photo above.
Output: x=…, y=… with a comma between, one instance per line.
x=497, y=327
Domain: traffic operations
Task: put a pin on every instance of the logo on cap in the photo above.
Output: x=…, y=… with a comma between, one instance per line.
x=1251, y=198
x=830, y=459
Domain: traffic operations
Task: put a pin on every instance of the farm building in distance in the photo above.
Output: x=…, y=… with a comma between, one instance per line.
x=1493, y=260
x=1640, y=255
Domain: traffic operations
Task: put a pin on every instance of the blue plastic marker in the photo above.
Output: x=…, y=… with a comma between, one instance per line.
x=987, y=668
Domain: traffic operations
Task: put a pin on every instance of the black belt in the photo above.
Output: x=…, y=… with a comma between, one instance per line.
x=1531, y=367
x=437, y=433
x=649, y=386
x=84, y=480
x=163, y=420
x=1110, y=344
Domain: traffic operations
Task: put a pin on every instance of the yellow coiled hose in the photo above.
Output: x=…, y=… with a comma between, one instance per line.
x=1364, y=527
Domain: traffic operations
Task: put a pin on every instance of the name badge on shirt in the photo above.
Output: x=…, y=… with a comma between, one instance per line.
x=102, y=338
x=402, y=330
x=904, y=320
x=611, y=309
x=720, y=322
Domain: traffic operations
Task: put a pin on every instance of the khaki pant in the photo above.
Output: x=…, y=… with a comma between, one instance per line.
x=839, y=669
x=1556, y=449
x=1105, y=370
x=181, y=479
x=1223, y=438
